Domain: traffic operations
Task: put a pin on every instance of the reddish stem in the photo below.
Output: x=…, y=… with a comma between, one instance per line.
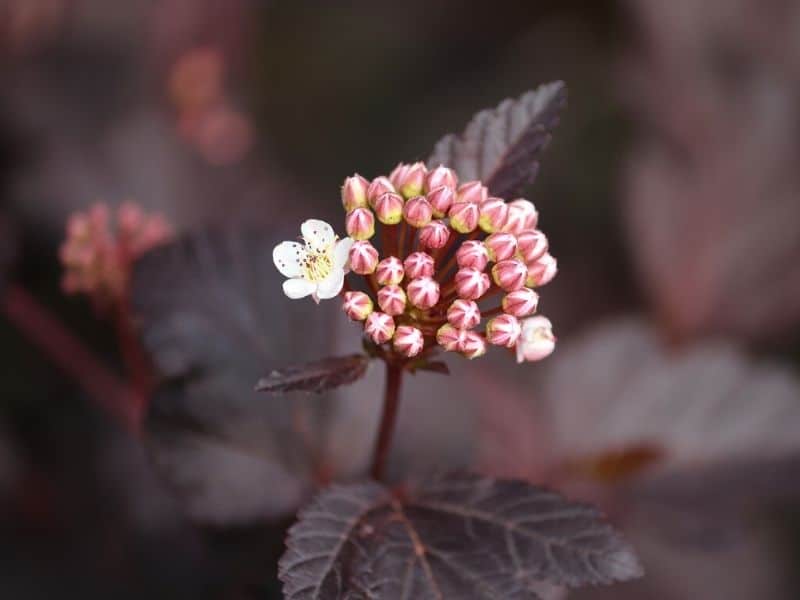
x=391, y=402
x=135, y=358
x=42, y=329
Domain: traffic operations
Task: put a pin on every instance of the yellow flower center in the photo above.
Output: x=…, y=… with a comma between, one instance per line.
x=317, y=263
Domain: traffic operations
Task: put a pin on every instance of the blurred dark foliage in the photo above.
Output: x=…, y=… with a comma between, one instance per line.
x=672, y=114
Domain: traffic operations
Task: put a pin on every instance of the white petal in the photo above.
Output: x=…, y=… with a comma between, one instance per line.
x=341, y=252
x=317, y=233
x=331, y=285
x=287, y=257
x=298, y=288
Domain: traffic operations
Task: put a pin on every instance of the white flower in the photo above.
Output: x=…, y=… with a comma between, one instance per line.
x=537, y=340
x=317, y=266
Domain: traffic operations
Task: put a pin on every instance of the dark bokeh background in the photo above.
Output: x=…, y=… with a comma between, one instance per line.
x=670, y=193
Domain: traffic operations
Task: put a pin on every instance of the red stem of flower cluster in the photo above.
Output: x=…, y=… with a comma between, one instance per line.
x=391, y=402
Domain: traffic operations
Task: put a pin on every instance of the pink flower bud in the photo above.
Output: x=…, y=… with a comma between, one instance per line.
x=522, y=215
x=493, y=215
x=434, y=235
x=441, y=200
x=379, y=187
x=441, y=176
x=542, y=271
x=357, y=305
x=474, y=254
x=449, y=337
x=537, y=340
x=423, y=292
x=409, y=180
x=472, y=345
x=392, y=300
x=471, y=284
x=510, y=274
x=379, y=327
x=360, y=224
x=501, y=246
x=389, y=271
x=354, y=192
x=418, y=264
x=408, y=341
x=363, y=258
x=389, y=208
x=473, y=192
x=503, y=330
x=464, y=217
x=417, y=211
x=521, y=302
x=463, y=314
x=531, y=245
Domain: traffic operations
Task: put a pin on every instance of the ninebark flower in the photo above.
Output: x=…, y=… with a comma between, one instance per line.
x=408, y=341
x=354, y=192
x=392, y=300
x=542, y=271
x=316, y=267
x=360, y=224
x=357, y=305
x=536, y=340
x=434, y=235
x=440, y=176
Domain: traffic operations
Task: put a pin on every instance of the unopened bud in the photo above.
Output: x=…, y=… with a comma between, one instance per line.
x=441, y=176
x=392, y=300
x=360, y=224
x=389, y=208
x=449, y=337
x=357, y=305
x=417, y=212
x=522, y=215
x=409, y=180
x=418, y=264
x=493, y=215
x=408, y=341
x=471, y=284
x=474, y=254
x=472, y=345
x=363, y=258
x=379, y=327
x=389, y=271
x=537, y=340
x=441, y=200
x=521, y=303
x=423, y=292
x=510, y=274
x=463, y=314
x=473, y=192
x=501, y=246
x=434, y=235
x=354, y=192
x=531, y=245
x=464, y=217
x=379, y=187
x=542, y=271
x=503, y=330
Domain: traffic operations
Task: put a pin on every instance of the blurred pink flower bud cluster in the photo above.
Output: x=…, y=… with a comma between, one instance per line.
x=101, y=245
x=441, y=257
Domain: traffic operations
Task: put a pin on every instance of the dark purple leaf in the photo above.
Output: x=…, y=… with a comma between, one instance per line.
x=501, y=146
x=459, y=536
x=318, y=376
x=214, y=319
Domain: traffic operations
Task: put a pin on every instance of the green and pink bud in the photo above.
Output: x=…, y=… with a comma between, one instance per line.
x=389, y=271
x=418, y=264
x=392, y=300
x=389, y=208
x=521, y=303
x=536, y=341
x=522, y=215
x=471, y=284
x=423, y=292
x=379, y=187
x=473, y=254
x=493, y=215
x=417, y=212
x=363, y=258
x=354, y=192
x=441, y=200
x=473, y=192
x=510, y=275
x=434, y=235
x=357, y=305
x=503, y=330
x=463, y=314
x=501, y=246
x=379, y=327
x=542, y=271
x=409, y=180
x=360, y=224
x=408, y=341
x=531, y=245
x=464, y=217
x=441, y=176
x=449, y=337
x=472, y=345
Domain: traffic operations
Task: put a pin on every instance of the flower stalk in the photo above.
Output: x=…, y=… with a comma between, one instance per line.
x=391, y=404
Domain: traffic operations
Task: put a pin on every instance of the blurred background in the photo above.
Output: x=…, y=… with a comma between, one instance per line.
x=670, y=195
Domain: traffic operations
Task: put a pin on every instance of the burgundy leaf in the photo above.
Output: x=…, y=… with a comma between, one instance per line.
x=459, y=536
x=318, y=376
x=501, y=146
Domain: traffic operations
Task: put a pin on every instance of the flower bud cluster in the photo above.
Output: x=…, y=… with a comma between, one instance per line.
x=101, y=245
x=446, y=250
